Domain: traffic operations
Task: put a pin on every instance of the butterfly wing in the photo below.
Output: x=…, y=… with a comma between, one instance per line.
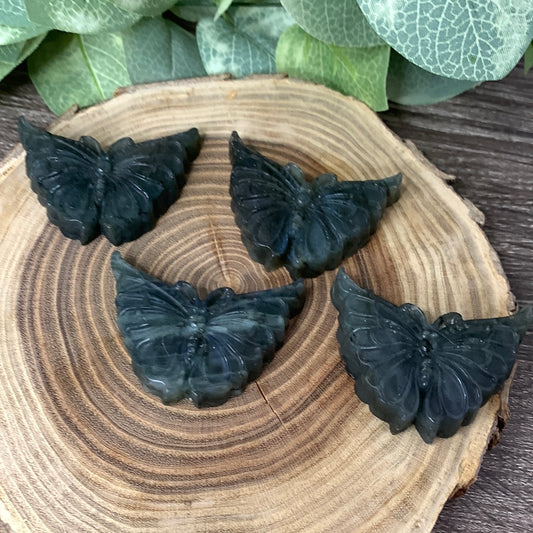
x=242, y=333
x=471, y=361
x=339, y=220
x=154, y=319
x=62, y=173
x=407, y=370
x=263, y=196
x=207, y=351
x=144, y=180
x=380, y=345
x=307, y=227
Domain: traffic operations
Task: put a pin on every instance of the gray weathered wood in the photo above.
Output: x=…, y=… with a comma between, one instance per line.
x=485, y=139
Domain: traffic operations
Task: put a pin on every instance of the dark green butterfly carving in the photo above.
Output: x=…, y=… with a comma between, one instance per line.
x=306, y=227
x=409, y=371
x=206, y=350
x=120, y=192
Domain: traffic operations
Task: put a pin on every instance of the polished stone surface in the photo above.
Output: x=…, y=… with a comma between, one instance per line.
x=204, y=349
x=120, y=192
x=307, y=227
x=435, y=376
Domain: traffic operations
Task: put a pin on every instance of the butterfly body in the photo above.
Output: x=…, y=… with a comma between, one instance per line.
x=206, y=350
x=120, y=192
x=308, y=227
x=409, y=371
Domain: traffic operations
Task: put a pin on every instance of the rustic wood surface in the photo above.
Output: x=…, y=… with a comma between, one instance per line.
x=484, y=138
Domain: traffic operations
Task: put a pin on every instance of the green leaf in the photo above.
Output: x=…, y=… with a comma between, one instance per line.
x=80, y=16
x=145, y=7
x=410, y=85
x=175, y=49
x=72, y=69
x=463, y=39
x=11, y=34
x=359, y=72
x=528, y=58
x=223, y=6
x=15, y=26
x=195, y=10
x=245, y=43
x=338, y=22
x=14, y=54
x=13, y=13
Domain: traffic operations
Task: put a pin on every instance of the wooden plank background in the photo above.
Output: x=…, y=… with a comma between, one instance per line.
x=485, y=138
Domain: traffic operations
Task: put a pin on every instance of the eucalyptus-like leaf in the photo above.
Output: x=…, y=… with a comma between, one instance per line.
x=69, y=69
x=13, y=13
x=243, y=44
x=338, y=22
x=12, y=34
x=12, y=55
x=194, y=10
x=15, y=26
x=148, y=8
x=176, y=51
x=465, y=39
x=80, y=16
x=355, y=71
x=223, y=6
x=411, y=85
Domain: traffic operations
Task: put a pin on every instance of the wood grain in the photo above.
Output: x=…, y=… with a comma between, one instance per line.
x=84, y=446
x=485, y=138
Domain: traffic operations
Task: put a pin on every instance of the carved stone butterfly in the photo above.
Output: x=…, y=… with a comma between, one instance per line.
x=206, y=350
x=408, y=371
x=308, y=227
x=120, y=192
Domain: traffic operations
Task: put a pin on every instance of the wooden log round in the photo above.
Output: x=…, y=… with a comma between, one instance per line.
x=84, y=448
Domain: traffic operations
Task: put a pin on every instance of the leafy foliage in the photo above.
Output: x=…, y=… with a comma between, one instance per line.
x=244, y=43
x=69, y=69
x=13, y=13
x=175, y=49
x=15, y=26
x=13, y=54
x=223, y=6
x=194, y=10
x=359, y=72
x=411, y=85
x=11, y=34
x=441, y=47
x=338, y=22
x=80, y=16
x=73, y=69
x=145, y=7
x=466, y=40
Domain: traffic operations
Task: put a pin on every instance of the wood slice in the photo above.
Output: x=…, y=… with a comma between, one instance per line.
x=84, y=448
